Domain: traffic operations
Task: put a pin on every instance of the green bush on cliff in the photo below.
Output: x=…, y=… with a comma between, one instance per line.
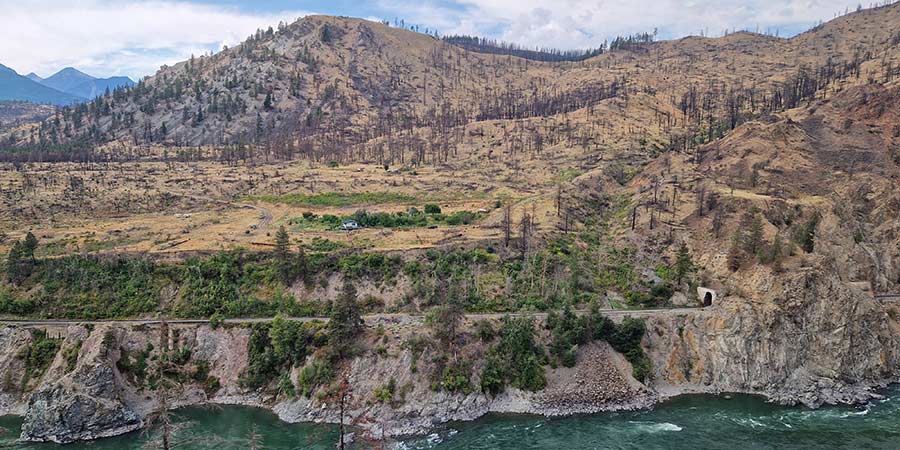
x=315, y=374
x=38, y=354
x=16, y=304
x=516, y=360
x=286, y=385
x=625, y=338
x=134, y=365
x=451, y=376
x=275, y=348
x=568, y=331
x=70, y=354
x=385, y=393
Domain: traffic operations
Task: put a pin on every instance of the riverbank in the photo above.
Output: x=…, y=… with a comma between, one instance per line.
x=702, y=422
x=817, y=343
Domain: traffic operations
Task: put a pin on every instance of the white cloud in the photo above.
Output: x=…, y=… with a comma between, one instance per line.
x=125, y=37
x=586, y=23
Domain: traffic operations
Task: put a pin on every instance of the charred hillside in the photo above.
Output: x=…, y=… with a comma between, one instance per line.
x=347, y=89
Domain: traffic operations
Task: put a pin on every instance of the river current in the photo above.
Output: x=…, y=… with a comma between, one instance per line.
x=695, y=422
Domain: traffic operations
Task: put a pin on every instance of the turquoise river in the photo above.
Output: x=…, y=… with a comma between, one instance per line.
x=696, y=422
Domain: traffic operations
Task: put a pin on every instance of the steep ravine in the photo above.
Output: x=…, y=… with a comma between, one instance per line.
x=806, y=339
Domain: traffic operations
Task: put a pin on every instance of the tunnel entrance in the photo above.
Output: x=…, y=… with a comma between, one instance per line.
x=707, y=299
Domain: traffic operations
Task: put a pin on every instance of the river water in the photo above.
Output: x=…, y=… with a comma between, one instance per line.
x=697, y=422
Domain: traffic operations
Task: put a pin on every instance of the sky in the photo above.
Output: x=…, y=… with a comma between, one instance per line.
x=135, y=37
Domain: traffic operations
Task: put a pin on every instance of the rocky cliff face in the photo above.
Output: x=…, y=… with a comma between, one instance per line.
x=600, y=381
x=803, y=338
x=808, y=338
x=81, y=403
x=98, y=395
x=84, y=394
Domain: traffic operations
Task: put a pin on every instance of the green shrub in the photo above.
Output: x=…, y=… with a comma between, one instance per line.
x=134, y=364
x=455, y=377
x=286, y=386
x=211, y=385
x=625, y=338
x=484, y=329
x=38, y=354
x=17, y=305
x=216, y=320
x=515, y=360
x=385, y=393
x=804, y=234
x=568, y=331
x=315, y=374
x=416, y=346
x=94, y=287
x=324, y=245
x=276, y=347
x=209, y=284
x=493, y=378
x=70, y=354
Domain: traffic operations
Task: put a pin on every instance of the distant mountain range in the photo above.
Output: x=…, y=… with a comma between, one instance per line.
x=66, y=87
x=75, y=82
x=16, y=87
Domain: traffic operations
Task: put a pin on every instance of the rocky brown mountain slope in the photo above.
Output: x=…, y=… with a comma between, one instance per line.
x=323, y=80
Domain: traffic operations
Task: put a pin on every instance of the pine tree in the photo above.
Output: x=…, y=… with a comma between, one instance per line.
x=29, y=246
x=20, y=261
x=13, y=263
x=774, y=253
x=446, y=319
x=283, y=259
x=683, y=263
x=749, y=234
x=345, y=322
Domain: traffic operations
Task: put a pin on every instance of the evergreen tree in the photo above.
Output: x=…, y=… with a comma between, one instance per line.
x=444, y=320
x=806, y=236
x=753, y=235
x=344, y=323
x=20, y=261
x=683, y=263
x=735, y=255
x=283, y=259
x=13, y=262
x=29, y=246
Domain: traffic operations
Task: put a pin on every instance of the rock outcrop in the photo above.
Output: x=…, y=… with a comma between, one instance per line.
x=600, y=381
x=807, y=338
x=84, y=407
x=85, y=404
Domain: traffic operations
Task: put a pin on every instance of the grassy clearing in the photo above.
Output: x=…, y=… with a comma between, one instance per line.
x=337, y=199
x=413, y=218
